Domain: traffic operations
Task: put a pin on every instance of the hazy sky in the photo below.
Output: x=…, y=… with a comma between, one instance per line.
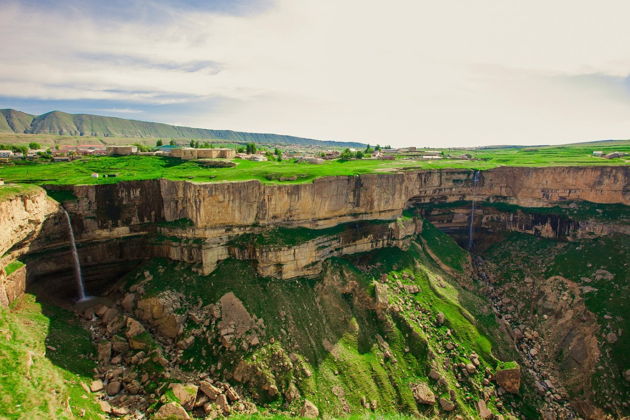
x=399, y=72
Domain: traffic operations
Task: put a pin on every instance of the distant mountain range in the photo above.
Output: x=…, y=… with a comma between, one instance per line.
x=61, y=123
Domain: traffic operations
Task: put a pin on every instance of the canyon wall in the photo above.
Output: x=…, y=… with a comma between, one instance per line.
x=22, y=217
x=333, y=200
x=196, y=222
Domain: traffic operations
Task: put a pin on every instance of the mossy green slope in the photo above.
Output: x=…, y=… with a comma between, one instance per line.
x=357, y=354
x=44, y=358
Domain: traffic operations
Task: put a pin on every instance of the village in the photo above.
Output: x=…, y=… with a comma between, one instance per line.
x=252, y=152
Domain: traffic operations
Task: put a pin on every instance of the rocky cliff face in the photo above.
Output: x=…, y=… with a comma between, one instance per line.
x=21, y=219
x=196, y=222
x=330, y=201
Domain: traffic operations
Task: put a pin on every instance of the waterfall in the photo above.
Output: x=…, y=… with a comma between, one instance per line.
x=475, y=180
x=75, y=256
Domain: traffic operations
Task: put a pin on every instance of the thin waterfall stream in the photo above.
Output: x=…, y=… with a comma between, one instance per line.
x=475, y=180
x=77, y=264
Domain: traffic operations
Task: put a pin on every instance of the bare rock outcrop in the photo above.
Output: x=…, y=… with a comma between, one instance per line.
x=509, y=379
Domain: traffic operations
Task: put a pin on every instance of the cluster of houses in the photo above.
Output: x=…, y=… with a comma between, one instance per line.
x=31, y=154
x=68, y=152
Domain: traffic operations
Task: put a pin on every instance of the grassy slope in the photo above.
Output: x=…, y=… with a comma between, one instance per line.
x=317, y=312
x=11, y=120
x=450, y=253
x=37, y=382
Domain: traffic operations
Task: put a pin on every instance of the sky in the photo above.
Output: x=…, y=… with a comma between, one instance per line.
x=442, y=73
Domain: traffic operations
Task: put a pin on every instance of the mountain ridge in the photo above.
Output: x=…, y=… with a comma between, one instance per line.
x=62, y=123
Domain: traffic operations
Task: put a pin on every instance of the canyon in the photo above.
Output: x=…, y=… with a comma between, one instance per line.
x=294, y=232
x=197, y=222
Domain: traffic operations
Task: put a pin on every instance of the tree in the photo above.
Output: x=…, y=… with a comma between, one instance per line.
x=172, y=142
x=359, y=154
x=192, y=143
x=23, y=150
x=240, y=150
x=378, y=147
x=368, y=149
x=278, y=154
x=142, y=147
x=34, y=146
x=346, y=155
x=159, y=143
x=250, y=148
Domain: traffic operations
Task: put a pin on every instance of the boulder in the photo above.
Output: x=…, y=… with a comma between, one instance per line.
x=105, y=407
x=185, y=393
x=382, y=295
x=471, y=368
x=440, y=318
x=172, y=411
x=509, y=379
x=120, y=411
x=104, y=350
x=423, y=394
x=96, y=385
x=137, y=343
x=483, y=411
x=434, y=374
x=134, y=328
x=292, y=393
x=232, y=394
x=154, y=311
x=309, y=410
x=113, y=388
x=222, y=403
x=447, y=404
x=128, y=301
x=210, y=390
x=626, y=375
x=119, y=344
x=110, y=315
x=234, y=315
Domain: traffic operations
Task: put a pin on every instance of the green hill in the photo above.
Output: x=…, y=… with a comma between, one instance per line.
x=61, y=123
x=14, y=121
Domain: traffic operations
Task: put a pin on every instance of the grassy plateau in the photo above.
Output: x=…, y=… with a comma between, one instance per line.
x=128, y=168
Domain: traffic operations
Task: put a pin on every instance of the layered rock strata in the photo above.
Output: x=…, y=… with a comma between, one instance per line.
x=197, y=222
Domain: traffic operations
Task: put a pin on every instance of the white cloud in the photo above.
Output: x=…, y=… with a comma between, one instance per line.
x=120, y=110
x=399, y=72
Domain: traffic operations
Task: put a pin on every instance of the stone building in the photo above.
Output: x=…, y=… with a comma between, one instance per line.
x=188, y=153
x=121, y=150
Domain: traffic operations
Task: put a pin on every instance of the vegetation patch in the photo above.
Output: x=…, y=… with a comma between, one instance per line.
x=13, y=266
x=44, y=358
x=444, y=247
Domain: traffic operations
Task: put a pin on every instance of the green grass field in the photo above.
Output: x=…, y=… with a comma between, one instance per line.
x=45, y=356
x=151, y=167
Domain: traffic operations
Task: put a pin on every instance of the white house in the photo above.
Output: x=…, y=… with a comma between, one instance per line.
x=6, y=154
